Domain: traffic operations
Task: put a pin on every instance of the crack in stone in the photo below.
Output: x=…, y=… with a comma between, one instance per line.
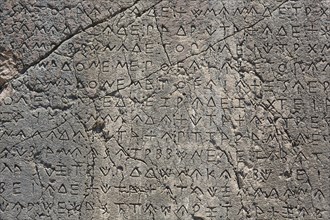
x=78, y=31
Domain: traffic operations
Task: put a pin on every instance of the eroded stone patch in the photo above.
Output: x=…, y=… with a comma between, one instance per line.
x=8, y=71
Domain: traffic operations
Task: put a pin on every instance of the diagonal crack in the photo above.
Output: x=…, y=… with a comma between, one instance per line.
x=79, y=30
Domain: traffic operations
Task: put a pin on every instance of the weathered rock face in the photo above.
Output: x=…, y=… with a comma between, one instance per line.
x=164, y=109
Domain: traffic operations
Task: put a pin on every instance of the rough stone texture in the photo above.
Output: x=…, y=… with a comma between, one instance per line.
x=165, y=109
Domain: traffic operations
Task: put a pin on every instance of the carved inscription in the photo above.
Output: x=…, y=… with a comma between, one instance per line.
x=199, y=110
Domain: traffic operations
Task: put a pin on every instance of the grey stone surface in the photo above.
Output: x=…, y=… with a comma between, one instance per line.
x=198, y=110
